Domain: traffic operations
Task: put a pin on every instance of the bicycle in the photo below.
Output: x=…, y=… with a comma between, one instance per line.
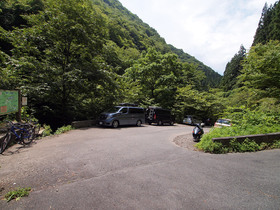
x=35, y=125
x=23, y=132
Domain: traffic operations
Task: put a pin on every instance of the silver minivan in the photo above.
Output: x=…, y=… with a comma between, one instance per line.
x=122, y=115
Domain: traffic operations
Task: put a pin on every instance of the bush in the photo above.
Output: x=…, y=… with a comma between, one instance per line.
x=245, y=122
x=249, y=146
x=63, y=129
x=47, y=130
x=207, y=145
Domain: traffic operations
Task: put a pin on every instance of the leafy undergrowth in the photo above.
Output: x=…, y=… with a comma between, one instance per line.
x=246, y=123
x=207, y=145
x=48, y=131
x=63, y=129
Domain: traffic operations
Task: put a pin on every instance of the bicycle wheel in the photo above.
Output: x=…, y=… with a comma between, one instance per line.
x=4, y=142
x=27, y=135
x=37, y=128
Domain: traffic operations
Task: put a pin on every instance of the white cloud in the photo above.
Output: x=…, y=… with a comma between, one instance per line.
x=210, y=30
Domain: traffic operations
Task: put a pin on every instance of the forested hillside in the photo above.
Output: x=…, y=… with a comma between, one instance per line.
x=127, y=30
x=76, y=58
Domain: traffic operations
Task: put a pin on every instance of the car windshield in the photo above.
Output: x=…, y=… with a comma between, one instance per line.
x=223, y=121
x=114, y=109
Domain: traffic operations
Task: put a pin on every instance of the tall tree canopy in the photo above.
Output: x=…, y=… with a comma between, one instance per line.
x=158, y=77
x=58, y=60
x=233, y=70
x=262, y=70
x=269, y=24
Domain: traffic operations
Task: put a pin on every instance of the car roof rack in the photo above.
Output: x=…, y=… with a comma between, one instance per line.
x=128, y=104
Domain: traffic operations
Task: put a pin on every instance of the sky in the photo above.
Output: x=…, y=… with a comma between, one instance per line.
x=210, y=30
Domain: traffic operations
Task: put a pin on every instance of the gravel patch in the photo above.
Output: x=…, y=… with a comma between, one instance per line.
x=186, y=141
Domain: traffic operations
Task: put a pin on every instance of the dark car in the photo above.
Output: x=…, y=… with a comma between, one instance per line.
x=191, y=120
x=159, y=116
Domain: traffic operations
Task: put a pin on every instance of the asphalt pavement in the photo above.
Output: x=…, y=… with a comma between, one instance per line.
x=136, y=168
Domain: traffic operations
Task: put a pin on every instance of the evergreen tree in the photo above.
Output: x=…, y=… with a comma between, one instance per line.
x=261, y=32
x=274, y=30
x=269, y=25
x=233, y=70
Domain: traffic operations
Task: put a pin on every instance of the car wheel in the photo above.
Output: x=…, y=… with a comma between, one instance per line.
x=138, y=123
x=115, y=124
x=159, y=122
x=171, y=123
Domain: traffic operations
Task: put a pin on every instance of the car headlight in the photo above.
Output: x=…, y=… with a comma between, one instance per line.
x=108, y=117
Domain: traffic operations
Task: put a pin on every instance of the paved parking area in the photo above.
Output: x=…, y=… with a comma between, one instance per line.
x=136, y=168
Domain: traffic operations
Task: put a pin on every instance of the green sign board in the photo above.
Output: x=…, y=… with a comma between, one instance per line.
x=8, y=101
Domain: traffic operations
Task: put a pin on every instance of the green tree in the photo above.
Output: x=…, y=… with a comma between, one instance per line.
x=201, y=104
x=261, y=70
x=269, y=25
x=233, y=69
x=59, y=58
x=158, y=77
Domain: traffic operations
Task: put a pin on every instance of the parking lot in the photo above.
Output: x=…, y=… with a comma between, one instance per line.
x=136, y=168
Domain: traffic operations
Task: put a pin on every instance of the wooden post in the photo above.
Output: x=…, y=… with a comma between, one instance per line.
x=18, y=115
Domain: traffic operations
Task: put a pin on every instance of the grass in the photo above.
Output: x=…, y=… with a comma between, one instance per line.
x=17, y=194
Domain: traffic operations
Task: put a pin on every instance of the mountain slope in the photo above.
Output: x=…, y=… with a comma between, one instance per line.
x=127, y=30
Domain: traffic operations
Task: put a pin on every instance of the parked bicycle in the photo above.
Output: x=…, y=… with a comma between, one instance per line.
x=24, y=134
x=36, y=126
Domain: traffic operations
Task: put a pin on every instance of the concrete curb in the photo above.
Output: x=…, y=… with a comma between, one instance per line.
x=83, y=124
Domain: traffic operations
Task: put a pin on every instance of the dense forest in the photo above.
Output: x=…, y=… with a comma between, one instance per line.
x=76, y=58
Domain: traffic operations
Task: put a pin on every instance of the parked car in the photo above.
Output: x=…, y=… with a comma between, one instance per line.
x=190, y=120
x=159, y=116
x=222, y=123
x=122, y=115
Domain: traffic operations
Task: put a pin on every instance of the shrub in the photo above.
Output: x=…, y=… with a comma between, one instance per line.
x=47, y=130
x=249, y=146
x=63, y=129
x=207, y=145
x=245, y=122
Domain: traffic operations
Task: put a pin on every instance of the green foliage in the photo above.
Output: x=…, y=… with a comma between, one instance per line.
x=207, y=145
x=268, y=28
x=74, y=59
x=47, y=130
x=155, y=78
x=63, y=129
x=203, y=105
x=233, y=70
x=245, y=122
x=252, y=90
x=17, y=194
x=262, y=69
